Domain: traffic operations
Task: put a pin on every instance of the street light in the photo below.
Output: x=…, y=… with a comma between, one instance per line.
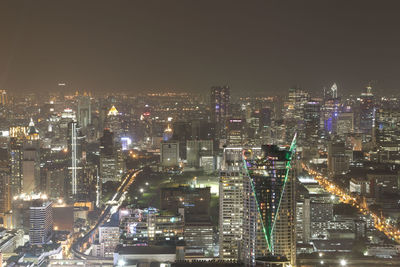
x=343, y=262
x=141, y=190
x=121, y=262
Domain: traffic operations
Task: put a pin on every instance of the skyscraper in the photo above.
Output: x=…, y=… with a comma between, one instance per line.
x=219, y=107
x=17, y=137
x=312, y=116
x=84, y=111
x=108, y=159
x=41, y=222
x=231, y=213
x=75, y=150
x=367, y=111
x=269, y=205
x=31, y=160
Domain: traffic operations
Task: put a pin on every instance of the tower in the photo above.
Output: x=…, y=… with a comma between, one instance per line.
x=269, y=207
x=84, y=111
x=219, y=106
x=231, y=205
x=76, y=157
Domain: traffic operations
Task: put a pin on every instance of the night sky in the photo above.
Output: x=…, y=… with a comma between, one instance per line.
x=254, y=46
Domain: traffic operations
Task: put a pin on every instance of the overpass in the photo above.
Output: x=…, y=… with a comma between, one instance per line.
x=81, y=243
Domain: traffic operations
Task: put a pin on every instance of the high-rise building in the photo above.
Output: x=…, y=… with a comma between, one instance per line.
x=84, y=111
x=3, y=98
x=269, y=210
x=220, y=109
x=76, y=157
x=5, y=192
x=31, y=160
x=41, y=222
x=108, y=158
x=230, y=213
x=367, y=111
x=109, y=234
x=312, y=117
x=338, y=161
x=235, y=132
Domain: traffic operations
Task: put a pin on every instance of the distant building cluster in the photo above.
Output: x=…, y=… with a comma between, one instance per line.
x=300, y=179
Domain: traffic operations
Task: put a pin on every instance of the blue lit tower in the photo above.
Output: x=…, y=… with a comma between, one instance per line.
x=269, y=207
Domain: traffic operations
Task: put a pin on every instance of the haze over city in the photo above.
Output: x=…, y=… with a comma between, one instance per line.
x=259, y=47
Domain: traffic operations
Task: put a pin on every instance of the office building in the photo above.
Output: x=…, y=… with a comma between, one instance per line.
x=269, y=205
x=31, y=160
x=220, y=109
x=235, y=134
x=197, y=149
x=108, y=158
x=230, y=213
x=108, y=238
x=367, y=112
x=169, y=154
x=84, y=114
x=41, y=222
x=312, y=117
x=76, y=157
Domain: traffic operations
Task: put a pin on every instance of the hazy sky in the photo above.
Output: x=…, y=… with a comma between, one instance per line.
x=254, y=46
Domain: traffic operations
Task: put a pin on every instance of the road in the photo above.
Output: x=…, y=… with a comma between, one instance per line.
x=127, y=180
x=380, y=222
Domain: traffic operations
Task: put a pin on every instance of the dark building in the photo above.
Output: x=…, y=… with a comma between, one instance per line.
x=312, y=117
x=219, y=107
x=195, y=201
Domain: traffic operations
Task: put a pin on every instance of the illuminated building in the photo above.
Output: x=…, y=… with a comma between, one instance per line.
x=367, y=112
x=269, y=204
x=5, y=192
x=76, y=155
x=167, y=135
x=345, y=123
x=294, y=113
x=108, y=238
x=126, y=143
x=235, y=132
x=113, y=122
x=169, y=154
x=220, y=104
x=3, y=98
x=312, y=117
x=198, y=235
x=149, y=226
x=41, y=222
x=338, y=160
x=16, y=158
x=230, y=213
